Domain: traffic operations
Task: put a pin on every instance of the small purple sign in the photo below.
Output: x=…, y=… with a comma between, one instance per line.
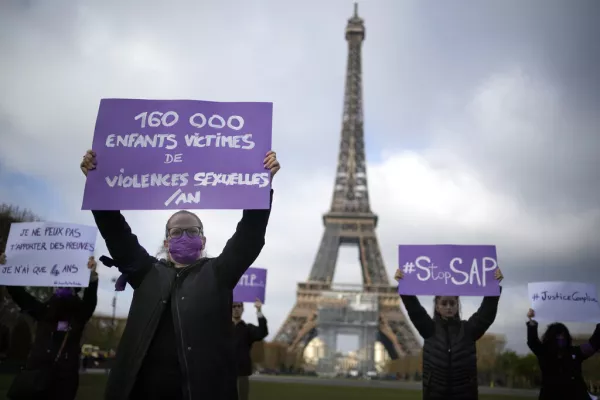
x=180, y=154
x=448, y=270
x=251, y=286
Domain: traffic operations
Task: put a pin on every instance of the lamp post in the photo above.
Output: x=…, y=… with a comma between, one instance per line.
x=114, y=304
x=114, y=312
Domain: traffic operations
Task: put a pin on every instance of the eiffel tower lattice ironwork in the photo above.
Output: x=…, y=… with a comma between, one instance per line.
x=350, y=221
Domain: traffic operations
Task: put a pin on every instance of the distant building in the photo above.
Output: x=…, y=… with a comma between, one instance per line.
x=316, y=349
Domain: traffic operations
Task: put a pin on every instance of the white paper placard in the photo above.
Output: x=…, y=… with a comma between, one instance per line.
x=48, y=254
x=564, y=301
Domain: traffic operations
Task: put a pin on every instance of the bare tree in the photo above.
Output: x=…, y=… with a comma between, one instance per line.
x=9, y=214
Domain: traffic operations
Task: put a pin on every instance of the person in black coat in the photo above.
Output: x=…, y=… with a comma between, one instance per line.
x=178, y=341
x=244, y=336
x=65, y=313
x=560, y=361
x=449, y=351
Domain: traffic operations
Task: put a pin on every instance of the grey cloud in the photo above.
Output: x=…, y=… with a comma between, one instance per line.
x=424, y=65
x=523, y=136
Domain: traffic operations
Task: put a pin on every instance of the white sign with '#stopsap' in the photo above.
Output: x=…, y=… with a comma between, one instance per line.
x=48, y=254
x=564, y=301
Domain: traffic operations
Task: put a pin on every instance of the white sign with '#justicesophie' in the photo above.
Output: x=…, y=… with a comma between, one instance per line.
x=564, y=301
x=48, y=254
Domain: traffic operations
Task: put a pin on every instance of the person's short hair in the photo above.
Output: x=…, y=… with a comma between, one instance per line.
x=182, y=212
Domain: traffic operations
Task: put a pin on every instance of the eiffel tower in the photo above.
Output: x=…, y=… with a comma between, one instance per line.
x=350, y=221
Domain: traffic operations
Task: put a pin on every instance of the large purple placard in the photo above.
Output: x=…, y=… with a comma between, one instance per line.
x=448, y=270
x=251, y=286
x=180, y=154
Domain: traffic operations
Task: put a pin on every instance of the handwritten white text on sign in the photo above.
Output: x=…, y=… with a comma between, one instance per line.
x=475, y=275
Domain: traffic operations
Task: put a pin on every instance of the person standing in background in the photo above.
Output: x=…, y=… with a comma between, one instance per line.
x=177, y=343
x=52, y=369
x=560, y=361
x=243, y=337
x=449, y=348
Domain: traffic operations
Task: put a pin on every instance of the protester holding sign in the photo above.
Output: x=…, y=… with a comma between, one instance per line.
x=244, y=336
x=52, y=369
x=178, y=340
x=449, y=352
x=560, y=361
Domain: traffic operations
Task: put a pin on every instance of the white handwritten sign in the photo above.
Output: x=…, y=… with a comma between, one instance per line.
x=565, y=301
x=48, y=254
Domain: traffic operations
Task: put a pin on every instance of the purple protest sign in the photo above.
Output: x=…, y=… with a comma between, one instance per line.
x=251, y=286
x=448, y=270
x=180, y=154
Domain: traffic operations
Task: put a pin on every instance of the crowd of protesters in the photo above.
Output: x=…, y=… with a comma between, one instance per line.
x=185, y=338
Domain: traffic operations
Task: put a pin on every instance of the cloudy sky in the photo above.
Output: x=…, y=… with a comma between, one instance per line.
x=481, y=122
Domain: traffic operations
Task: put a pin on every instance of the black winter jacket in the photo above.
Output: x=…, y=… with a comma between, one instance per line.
x=562, y=377
x=449, y=352
x=47, y=338
x=244, y=336
x=200, y=298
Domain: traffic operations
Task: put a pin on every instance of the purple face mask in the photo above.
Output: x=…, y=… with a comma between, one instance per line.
x=185, y=249
x=63, y=292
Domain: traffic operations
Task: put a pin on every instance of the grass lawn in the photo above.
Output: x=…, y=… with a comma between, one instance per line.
x=91, y=387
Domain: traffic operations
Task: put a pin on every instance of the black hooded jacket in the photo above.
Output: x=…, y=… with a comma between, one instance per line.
x=76, y=312
x=245, y=335
x=561, y=376
x=449, y=352
x=190, y=306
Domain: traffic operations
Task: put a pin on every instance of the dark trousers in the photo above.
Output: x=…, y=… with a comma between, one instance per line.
x=157, y=384
x=64, y=385
x=243, y=386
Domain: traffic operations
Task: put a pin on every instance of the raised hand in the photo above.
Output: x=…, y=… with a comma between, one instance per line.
x=530, y=314
x=398, y=275
x=2, y=259
x=498, y=275
x=271, y=163
x=258, y=305
x=92, y=264
x=89, y=162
